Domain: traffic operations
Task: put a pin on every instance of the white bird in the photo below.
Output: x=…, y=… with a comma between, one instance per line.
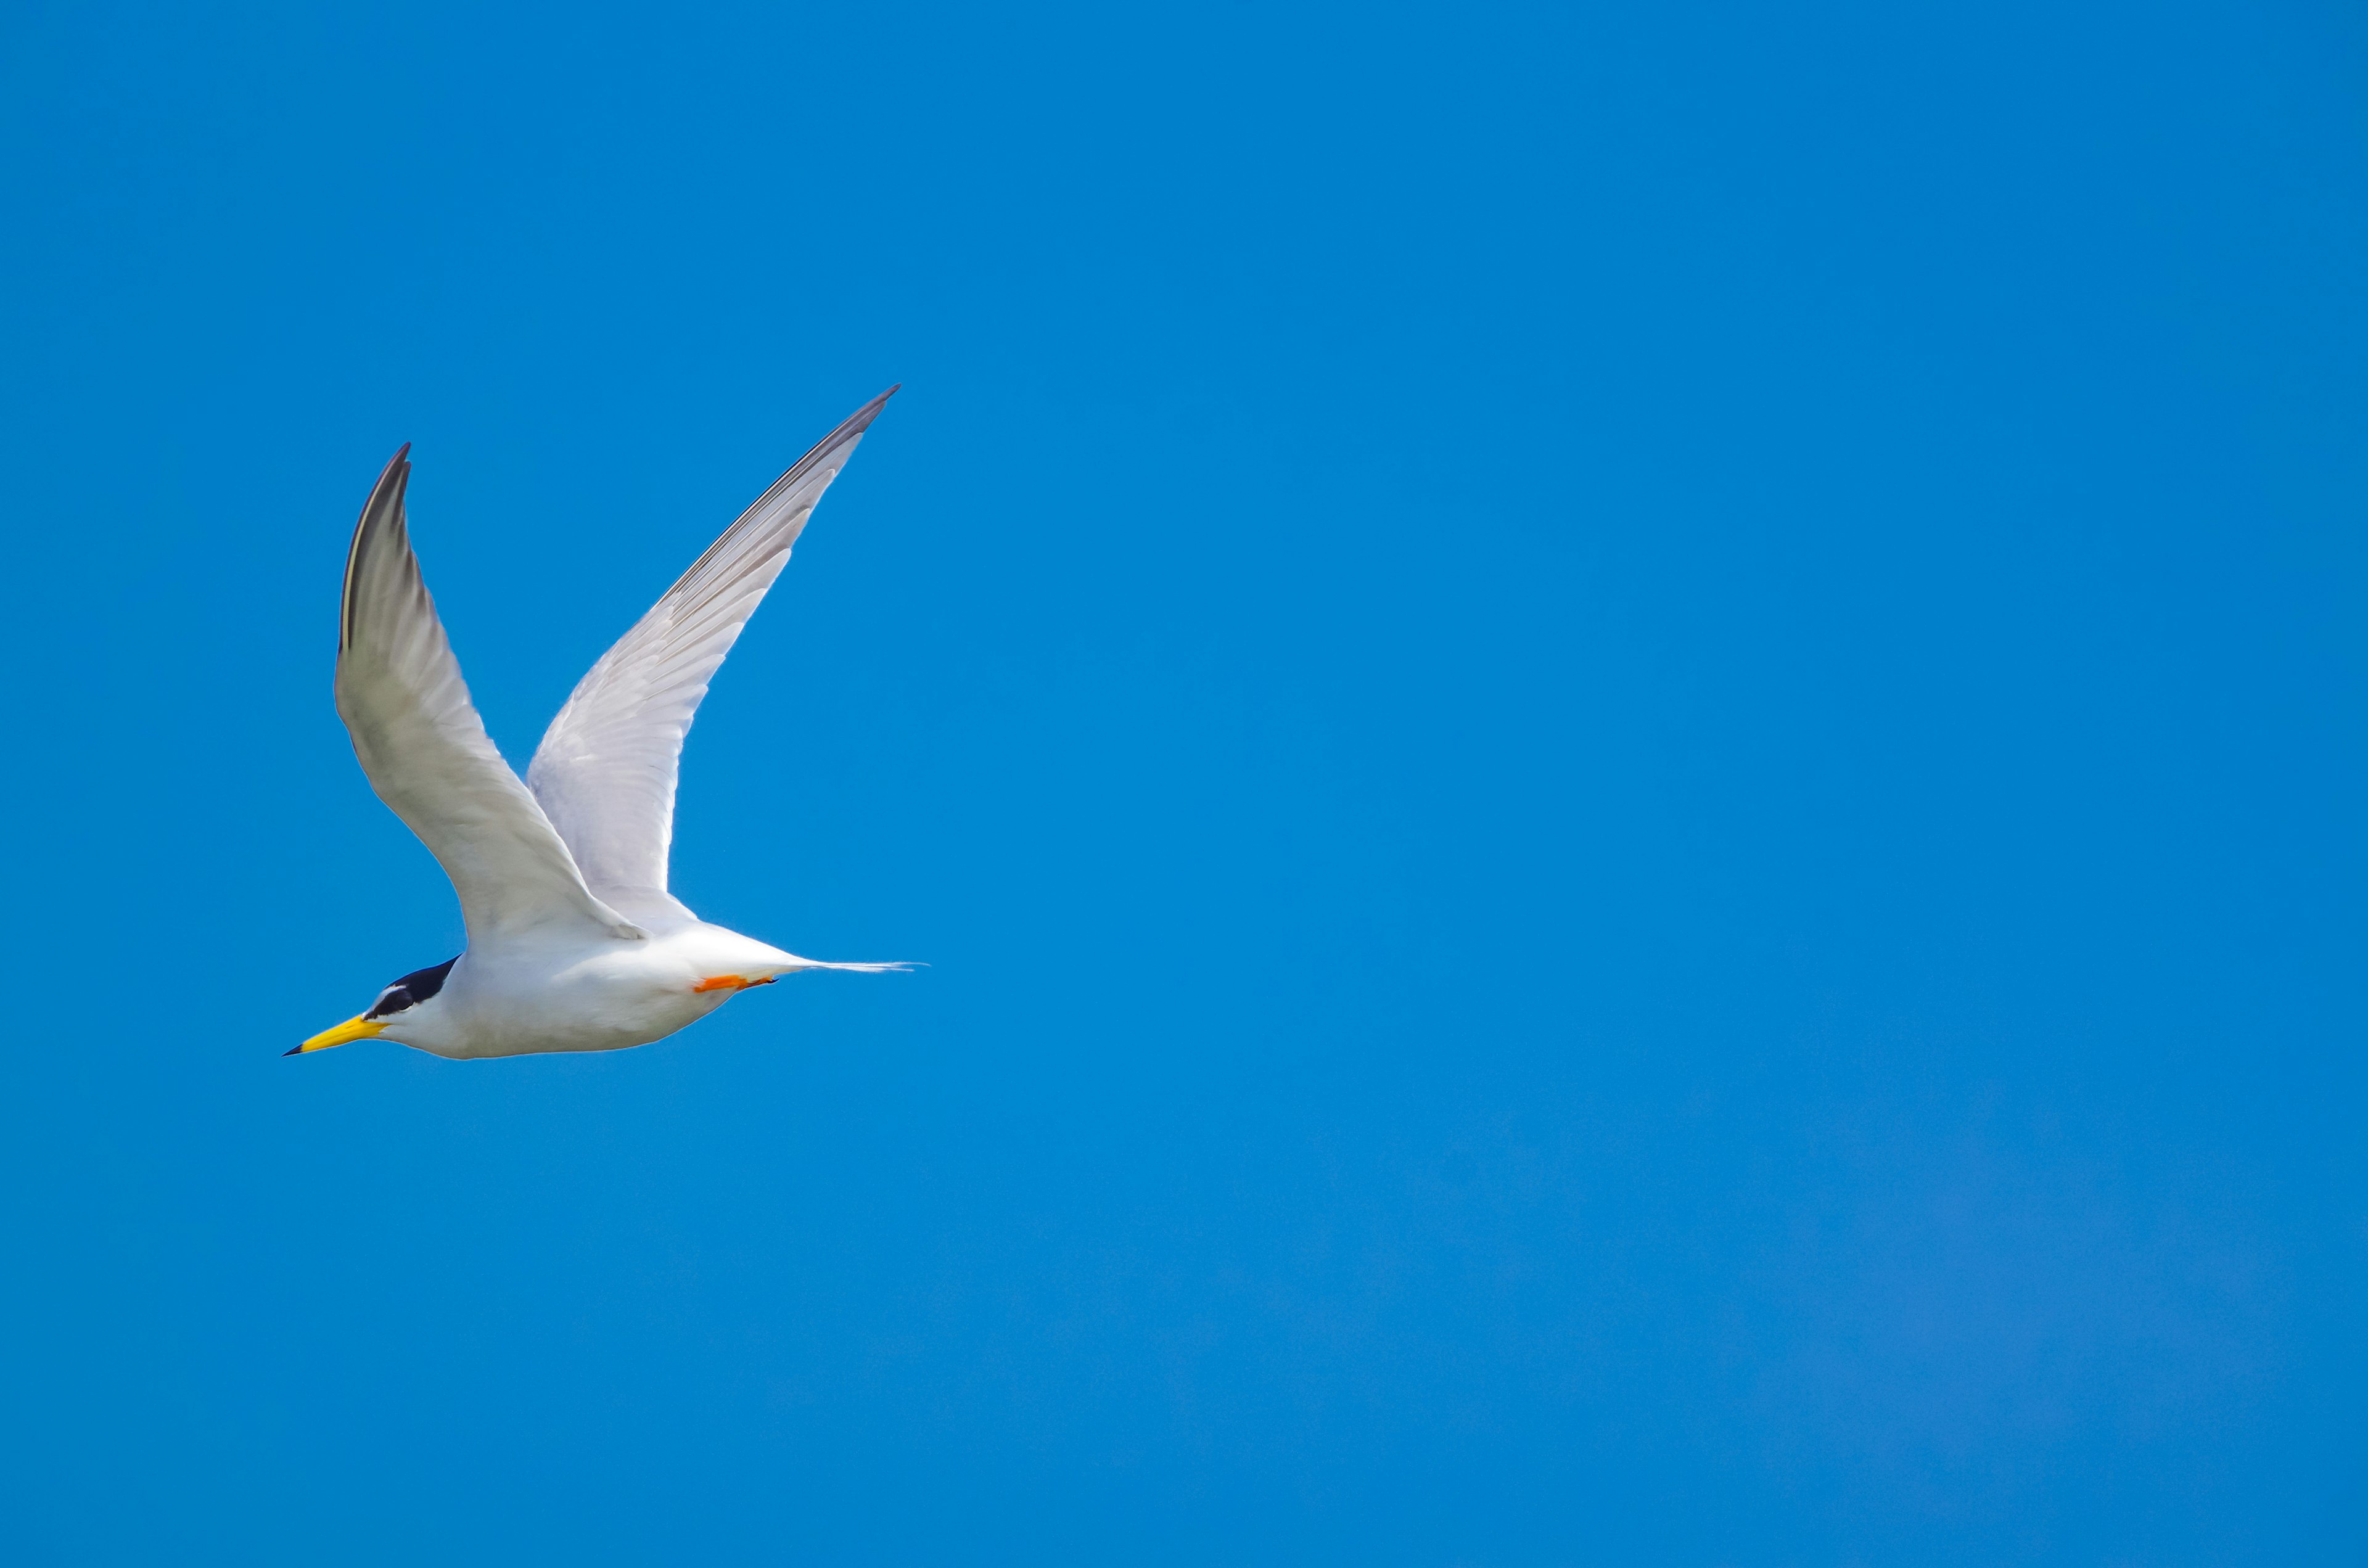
x=574, y=943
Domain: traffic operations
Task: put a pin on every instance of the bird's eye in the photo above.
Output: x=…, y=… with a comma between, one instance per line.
x=395, y=999
x=411, y=990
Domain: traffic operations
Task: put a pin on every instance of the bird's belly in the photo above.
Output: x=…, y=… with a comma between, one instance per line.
x=604, y=1005
x=549, y=1027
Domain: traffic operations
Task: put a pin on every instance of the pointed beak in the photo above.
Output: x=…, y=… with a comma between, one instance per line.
x=352, y=1028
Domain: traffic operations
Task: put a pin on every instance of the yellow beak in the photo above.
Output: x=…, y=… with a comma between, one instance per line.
x=352, y=1028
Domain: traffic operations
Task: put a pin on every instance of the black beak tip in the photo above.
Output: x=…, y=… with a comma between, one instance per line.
x=294, y=1050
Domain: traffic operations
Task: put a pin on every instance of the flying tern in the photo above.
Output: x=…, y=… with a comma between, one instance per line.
x=574, y=942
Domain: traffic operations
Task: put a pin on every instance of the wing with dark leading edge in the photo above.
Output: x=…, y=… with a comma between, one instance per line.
x=606, y=768
x=426, y=752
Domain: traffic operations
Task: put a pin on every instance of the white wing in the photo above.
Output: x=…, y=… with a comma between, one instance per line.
x=605, y=771
x=426, y=752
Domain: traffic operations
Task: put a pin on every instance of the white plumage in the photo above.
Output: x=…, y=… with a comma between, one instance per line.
x=574, y=942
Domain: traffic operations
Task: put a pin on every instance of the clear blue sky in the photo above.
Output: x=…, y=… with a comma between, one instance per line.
x=1629, y=741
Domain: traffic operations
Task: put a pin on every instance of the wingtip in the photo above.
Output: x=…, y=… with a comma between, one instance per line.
x=857, y=422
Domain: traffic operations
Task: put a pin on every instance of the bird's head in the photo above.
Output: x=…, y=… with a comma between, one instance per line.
x=399, y=1005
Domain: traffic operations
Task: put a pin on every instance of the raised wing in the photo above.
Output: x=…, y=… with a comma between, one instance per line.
x=426, y=752
x=605, y=771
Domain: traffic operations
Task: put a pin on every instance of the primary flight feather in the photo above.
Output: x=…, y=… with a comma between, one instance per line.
x=574, y=942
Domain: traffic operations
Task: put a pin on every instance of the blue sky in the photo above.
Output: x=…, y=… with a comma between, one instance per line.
x=1628, y=743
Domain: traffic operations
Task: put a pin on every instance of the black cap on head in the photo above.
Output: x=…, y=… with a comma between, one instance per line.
x=411, y=990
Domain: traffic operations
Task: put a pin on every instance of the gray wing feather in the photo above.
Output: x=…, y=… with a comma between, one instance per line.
x=426, y=752
x=606, y=770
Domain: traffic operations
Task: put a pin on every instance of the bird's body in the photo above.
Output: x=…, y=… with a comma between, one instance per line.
x=575, y=943
x=599, y=996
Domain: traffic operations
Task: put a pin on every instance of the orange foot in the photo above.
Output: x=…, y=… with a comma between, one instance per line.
x=731, y=982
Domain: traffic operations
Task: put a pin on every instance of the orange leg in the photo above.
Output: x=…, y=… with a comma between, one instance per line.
x=731, y=982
